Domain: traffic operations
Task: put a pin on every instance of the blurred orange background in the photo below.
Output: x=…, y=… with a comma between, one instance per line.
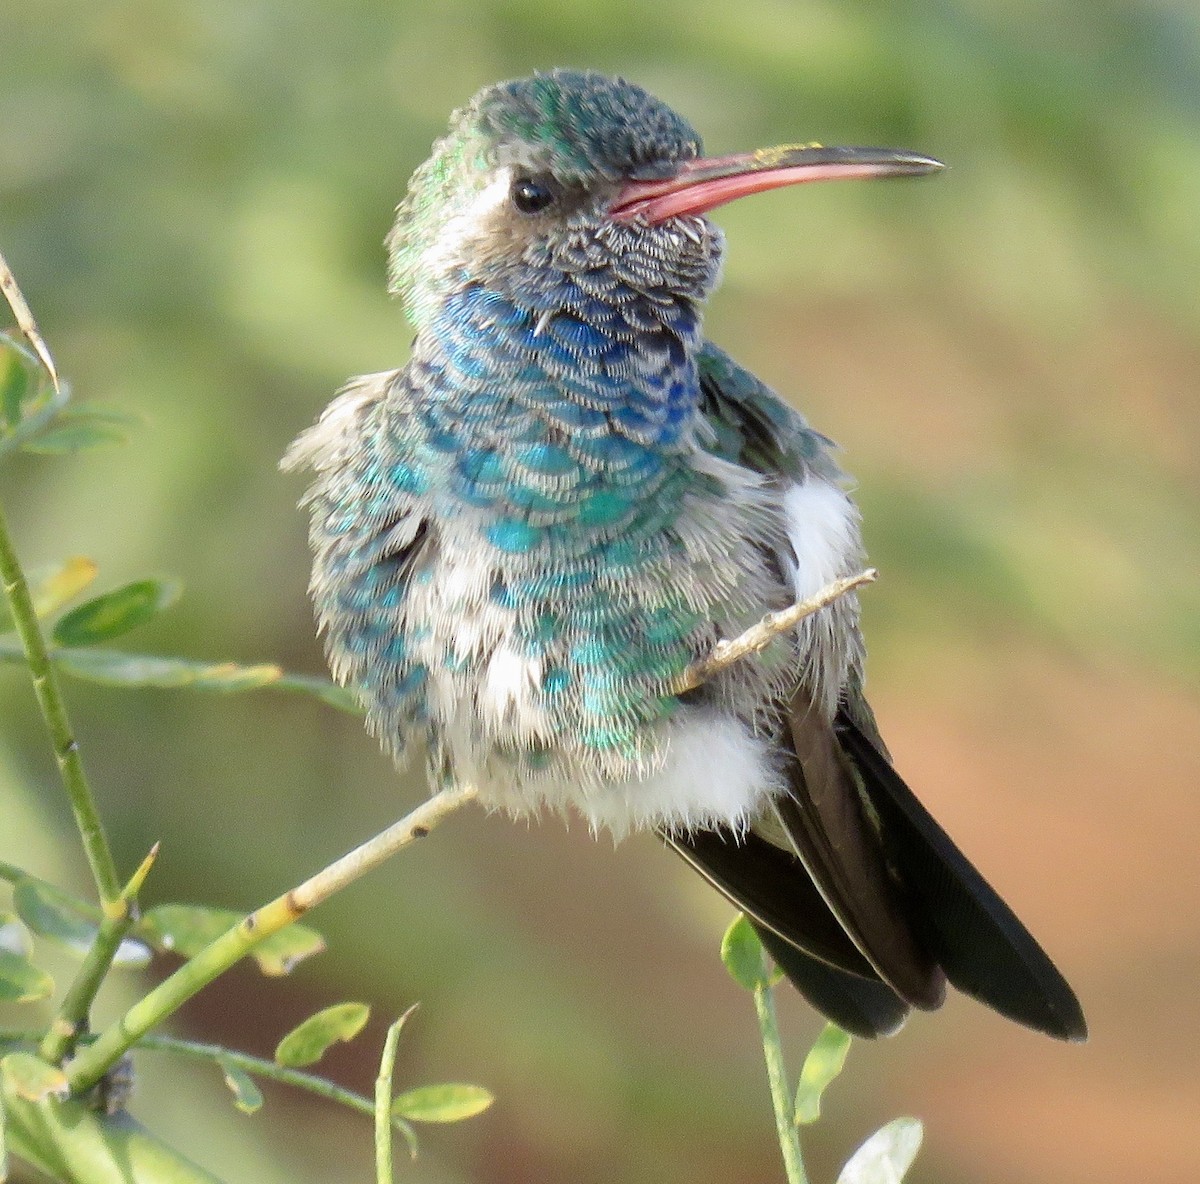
x=193, y=198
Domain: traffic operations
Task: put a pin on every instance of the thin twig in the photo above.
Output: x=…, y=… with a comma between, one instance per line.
x=28, y=326
x=54, y=713
x=759, y=636
x=781, y=1094
x=71, y=1019
x=91, y=1064
x=383, y=1104
x=259, y=1067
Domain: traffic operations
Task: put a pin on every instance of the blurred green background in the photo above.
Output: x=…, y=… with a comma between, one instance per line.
x=193, y=197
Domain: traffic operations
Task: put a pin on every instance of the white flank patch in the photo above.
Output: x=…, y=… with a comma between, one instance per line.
x=822, y=526
x=714, y=772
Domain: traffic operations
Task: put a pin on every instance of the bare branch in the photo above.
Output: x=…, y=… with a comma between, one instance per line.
x=758, y=637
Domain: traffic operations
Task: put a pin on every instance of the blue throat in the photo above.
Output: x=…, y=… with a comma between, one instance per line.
x=565, y=417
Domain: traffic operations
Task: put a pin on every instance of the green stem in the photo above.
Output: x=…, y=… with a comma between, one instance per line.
x=383, y=1106
x=216, y=1053
x=72, y=1015
x=781, y=1094
x=233, y=945
x=54, y=713
x=260, y=1068
x=71, y=1019
x=68, y=1141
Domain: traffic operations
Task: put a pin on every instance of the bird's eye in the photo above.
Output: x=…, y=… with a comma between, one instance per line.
x=531, y=195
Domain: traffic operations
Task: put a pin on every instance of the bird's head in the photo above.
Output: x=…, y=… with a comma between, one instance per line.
x=573, y=172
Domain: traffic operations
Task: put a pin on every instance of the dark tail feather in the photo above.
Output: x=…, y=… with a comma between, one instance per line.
x=796, y=928
x=862, y=1006
x=772, y=888
x=985, y=951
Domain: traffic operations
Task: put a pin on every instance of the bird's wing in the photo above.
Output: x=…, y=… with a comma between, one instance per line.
x=748, y=424
x=796, y=927
x=908, y=900
x=831, y=829
x=812, y=875
x=369, y=534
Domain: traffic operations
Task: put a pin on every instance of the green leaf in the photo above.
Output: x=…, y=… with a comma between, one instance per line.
x=247, y=1097
x=30, y=1077
x=323, y=689
x=742, y=953
x=14, y=937
x=307, y=1043
x=186, y=929
x=52, y=913
x=115, y=612
x=53, y=588
x=21, y=981
x=823, y=1063
x=442, y=1103
x=886, y=1156
x=14, y=382
x=65, y=438
x=283, y=951
x=65, y=919
x=98, y=413
x=39, y=411
x=79, y=426
x=147, y=670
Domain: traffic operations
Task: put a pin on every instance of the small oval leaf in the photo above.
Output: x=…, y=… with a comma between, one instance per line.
x=283, y=951
x=742, y=953
x=14, y=382
x=247, y=1097
x=30, y=1077
x=65, y=438
x=442, y=1103
x=21, y=981
x=75, y=412
x=70, y=922
x=52, y=913
x=886, y=1156
x=149, y=670
x=824, y=1062
x=115, y=612
x=53, y=589
x=307, y=1043
x=186, y=929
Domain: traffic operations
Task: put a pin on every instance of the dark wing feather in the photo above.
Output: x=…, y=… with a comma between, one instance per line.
x=912, y=899
x=840, y=847
x=985, y=951
x=796, y=927
x=862, y=1006
x=772, y=888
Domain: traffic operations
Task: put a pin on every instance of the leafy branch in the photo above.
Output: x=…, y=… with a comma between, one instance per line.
x=48, y=1112
x=888, y=1154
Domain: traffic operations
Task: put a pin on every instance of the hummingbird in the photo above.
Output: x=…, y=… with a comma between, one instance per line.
x=525, y=535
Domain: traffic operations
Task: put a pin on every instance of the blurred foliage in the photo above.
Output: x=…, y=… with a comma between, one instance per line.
x=194, y=197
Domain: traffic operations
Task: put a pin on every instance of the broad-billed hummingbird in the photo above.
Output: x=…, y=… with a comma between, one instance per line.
x=527, y=534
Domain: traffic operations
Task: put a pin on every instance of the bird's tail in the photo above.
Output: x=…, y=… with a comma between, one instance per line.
x=863, y=944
